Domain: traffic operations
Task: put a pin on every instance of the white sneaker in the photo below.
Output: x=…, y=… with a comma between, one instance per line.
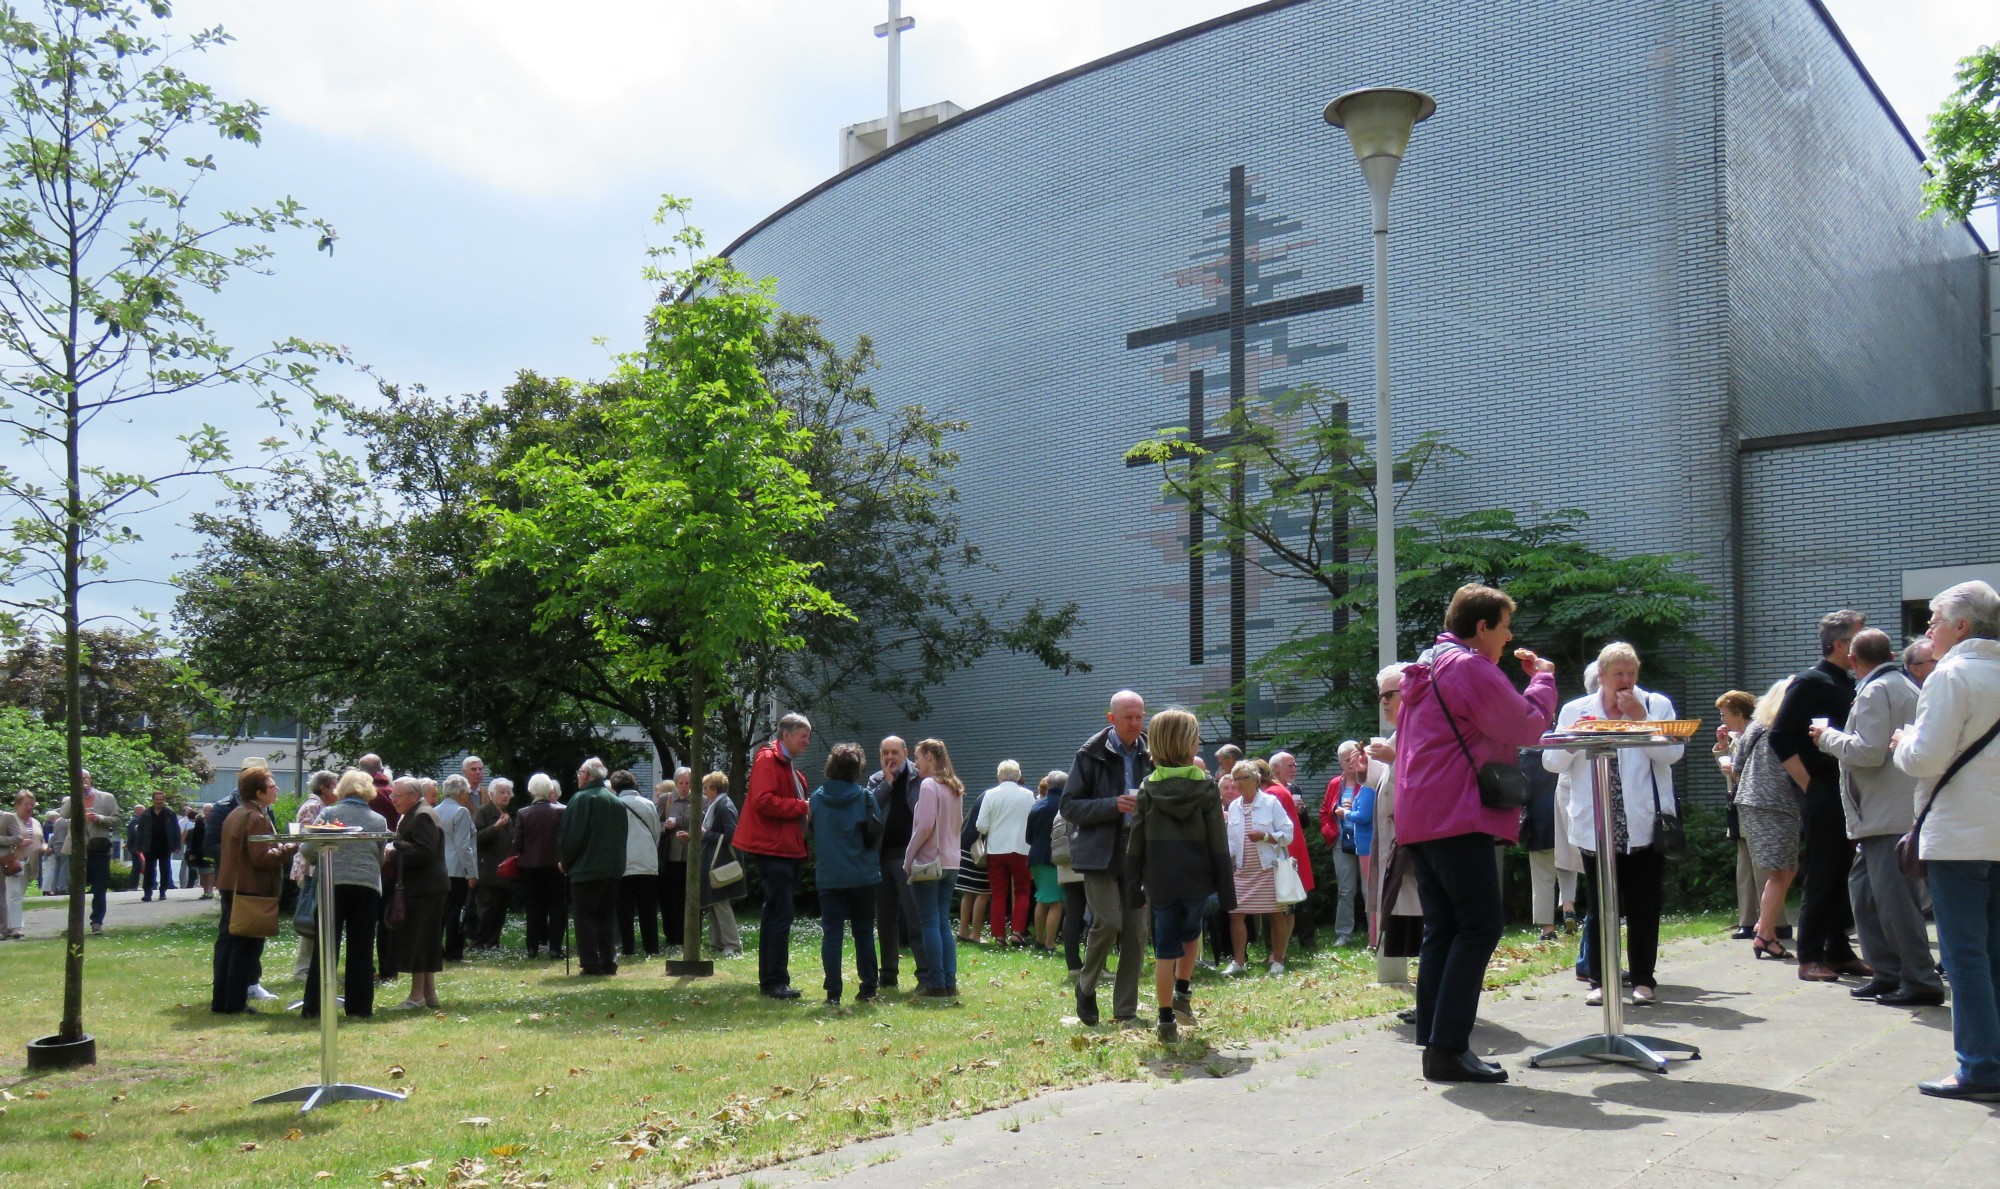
x=1595, y=998
x=1277, y=968
x=257, y=993
x=1232, y=970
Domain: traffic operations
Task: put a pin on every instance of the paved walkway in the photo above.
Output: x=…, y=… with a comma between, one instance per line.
x=123, y=910
x=1799, y=1085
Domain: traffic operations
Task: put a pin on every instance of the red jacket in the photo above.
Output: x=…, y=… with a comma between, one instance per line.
x=1329, y=821
x=774, y=808
x=1298, y=847
x=381, y=803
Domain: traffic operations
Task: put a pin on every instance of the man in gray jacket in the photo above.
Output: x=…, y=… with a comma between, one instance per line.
x=1879, y=801
x=102, y=818
x=1099, y=801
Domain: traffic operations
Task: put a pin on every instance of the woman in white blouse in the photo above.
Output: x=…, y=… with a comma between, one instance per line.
x=1003, y=821
x=1645, y=778
x=1260, y=835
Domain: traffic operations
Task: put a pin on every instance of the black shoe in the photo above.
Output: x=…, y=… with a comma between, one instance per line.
x=781, y=992
x=1086, y=1008
x=1911, y=999
x=1170, y=1031
x=833, y=1001
x=888, y=984
x=1784, y=932
x=1951, y=1088
x=1875, y=987
x=1743, y=933
x=864, y=997
x=1443, y=1065
x=1408, y=1015
x=1183, y=1006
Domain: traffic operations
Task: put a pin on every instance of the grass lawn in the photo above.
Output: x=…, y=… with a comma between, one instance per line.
x=529, y=1077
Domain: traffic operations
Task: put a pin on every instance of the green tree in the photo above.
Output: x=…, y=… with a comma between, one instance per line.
x=1308, y=518
x=34, y=755
x=673, y=550
x=127, y=686
x=1965, y=139
x=103, y=250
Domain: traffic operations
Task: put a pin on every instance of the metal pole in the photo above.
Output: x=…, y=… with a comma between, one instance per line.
x=1609, y=962
x=327, y=1005
x=1385, y=446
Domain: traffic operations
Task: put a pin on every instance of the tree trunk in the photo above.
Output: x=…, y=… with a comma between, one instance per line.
x=697, y=869
x=79, y=829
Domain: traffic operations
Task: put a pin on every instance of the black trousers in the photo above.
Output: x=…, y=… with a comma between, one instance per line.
x=1640, y=876
x=1459, y=886
x=159, y=873
x=1075, y=909
x=1826, y=914
x=237, y=961
x=639, y=899
x=673, y=900
x=546, y=896
x=357, y=912
x=97, y=874
x=774, y=931
x=895, y=907
x=596, y=904
x=455, y=902
x=489, y=912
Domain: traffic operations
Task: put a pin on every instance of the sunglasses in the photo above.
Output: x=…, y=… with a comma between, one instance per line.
x=1386, y=694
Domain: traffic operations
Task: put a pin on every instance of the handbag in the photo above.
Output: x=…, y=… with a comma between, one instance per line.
x=305, y=917
x=1501, y=786
x=253, y=916
x=977, y=856
x=1907, y=856
x=510, y=867
x=1285, y=880
x=929, y=872
x=723, y=874
x=396, y=910
x=1669, y=835
x=10, y=863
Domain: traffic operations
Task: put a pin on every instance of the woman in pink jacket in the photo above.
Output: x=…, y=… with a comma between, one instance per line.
x=932, y=862
x=1461, y=712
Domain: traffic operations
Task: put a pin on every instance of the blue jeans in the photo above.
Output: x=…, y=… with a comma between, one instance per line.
x=1966, y=896
x=840, y=909
x=935, y=938
x=1459, y=886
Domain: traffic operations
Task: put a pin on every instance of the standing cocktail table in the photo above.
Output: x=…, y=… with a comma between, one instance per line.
x=1614, y=1043
x=327, y=1089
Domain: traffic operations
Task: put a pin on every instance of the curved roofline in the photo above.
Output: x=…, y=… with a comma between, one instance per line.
x=1244, y=14
x=1144, y=47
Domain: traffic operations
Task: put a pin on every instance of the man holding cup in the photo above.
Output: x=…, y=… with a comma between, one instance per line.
x=1100, y=801
x=1820, y=696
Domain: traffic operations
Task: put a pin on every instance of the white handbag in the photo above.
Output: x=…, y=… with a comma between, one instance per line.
x=1285, y=879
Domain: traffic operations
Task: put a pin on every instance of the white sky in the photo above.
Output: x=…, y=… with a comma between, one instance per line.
x=492, y=164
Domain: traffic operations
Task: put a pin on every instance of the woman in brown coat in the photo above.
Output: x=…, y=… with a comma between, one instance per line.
x=423, y=885
x=244, y=868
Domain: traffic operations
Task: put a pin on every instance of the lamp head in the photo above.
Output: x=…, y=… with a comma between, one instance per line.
x=1378, y=121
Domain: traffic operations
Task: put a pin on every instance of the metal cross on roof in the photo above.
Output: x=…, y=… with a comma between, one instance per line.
x=893, y=30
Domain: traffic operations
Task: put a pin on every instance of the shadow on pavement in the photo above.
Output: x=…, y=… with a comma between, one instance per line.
x=1544, y=1108
x=1694, y=1007
x=1691, y=1096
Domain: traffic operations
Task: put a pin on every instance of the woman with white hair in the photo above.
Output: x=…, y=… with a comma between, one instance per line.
x=1642, y=788
x=357, y=898
x=544, y=893
x=1003, y=822
x=1950, y=750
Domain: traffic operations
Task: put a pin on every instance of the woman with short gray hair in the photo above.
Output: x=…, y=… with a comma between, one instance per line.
x=1950, y=750
x=544, y=894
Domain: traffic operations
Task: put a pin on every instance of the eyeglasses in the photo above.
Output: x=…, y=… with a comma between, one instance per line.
x=1387, y=694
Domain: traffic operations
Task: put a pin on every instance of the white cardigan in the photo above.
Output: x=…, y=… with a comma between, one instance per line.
x=1638, y=769
x=1958, y=704
x=1267, y=814
x=1003, y=818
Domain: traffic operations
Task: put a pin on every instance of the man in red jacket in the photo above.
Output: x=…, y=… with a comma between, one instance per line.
x=772, y=831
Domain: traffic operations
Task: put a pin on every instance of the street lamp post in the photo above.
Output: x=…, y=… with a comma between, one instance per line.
x=1378, y=122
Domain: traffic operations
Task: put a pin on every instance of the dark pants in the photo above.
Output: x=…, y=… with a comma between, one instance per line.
x=454, y=918
x=639, y=897
x=1825, y=912
x=489, y=912
x=97, y=872
x=673, y=881
x=596, y=905
x=1459, y=886
x=237, y=961
x=1640, y=875
x=546, y=896
x=159, y=873
x=774, y=933
x=356, y=913
x=1075, y=910
x=894, y=909
x=839, y=910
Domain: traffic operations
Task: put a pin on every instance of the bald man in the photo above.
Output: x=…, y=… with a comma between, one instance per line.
x=1099, y=801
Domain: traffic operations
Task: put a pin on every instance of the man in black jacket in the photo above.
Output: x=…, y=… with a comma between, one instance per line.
x=1824, y=692
x=894, y=790
x=1100, y=801
x=159, y=834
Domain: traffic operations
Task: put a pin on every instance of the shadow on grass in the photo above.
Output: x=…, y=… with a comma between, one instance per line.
x=257, y=1122
x=1195, y=1058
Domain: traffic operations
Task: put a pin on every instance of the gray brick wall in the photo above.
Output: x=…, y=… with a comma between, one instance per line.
x=1845, y=309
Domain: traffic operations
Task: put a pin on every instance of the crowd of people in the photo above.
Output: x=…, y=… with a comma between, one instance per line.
x=1864, y=779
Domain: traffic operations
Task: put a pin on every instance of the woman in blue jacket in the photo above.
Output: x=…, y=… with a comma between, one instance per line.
x=847, y=840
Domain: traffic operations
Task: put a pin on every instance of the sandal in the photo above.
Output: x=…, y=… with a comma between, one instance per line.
x=1769, y=947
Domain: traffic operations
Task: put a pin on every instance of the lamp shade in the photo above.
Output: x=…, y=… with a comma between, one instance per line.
x=1378, y=120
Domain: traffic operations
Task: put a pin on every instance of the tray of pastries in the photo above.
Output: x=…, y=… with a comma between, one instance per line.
x=1678, y=728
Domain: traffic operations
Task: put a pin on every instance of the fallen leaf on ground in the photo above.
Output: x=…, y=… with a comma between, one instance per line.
x=396, y=1071
x=248, y=1146
x=180, y=1108
x=477, y=1121
x=79, y=1134
x=294, y=1135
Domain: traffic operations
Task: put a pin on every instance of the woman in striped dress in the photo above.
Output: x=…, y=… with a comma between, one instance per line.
x=1260, y=831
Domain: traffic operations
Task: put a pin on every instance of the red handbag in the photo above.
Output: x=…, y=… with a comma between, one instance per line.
x=510, y=867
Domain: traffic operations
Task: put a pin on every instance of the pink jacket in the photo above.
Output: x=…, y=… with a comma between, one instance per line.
x=1437, y=790
x=935, y=826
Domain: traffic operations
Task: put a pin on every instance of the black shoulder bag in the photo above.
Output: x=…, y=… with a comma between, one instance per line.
x=1670, y=838
x=1501, y=786
x=1907, y=857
